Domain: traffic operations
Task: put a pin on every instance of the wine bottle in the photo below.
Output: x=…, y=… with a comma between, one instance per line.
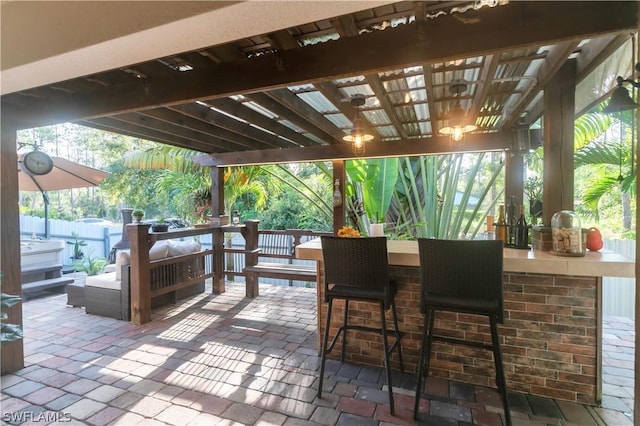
x=501, y=225
x=522, y=230
x=511, y=222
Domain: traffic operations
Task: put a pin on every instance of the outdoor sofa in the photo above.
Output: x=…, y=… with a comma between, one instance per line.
x=109, y=294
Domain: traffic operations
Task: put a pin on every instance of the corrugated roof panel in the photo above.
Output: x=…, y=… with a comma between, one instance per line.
x=262, y=110
x=339, y=120
x=425, y=129
x=302, y=88
x=318, y=102
x=412, y=129
x=349, y=80
x=388, y=132
x=376, y=117
x=421, y=111
x=360, y=89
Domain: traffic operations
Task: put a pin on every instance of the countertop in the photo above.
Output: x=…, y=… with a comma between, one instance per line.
x=603, y=263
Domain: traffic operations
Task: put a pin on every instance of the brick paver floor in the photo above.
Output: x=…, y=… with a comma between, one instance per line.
x=228, y=360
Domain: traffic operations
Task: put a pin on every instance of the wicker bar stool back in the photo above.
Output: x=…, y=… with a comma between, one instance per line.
x=465, y=277
x=357, y=269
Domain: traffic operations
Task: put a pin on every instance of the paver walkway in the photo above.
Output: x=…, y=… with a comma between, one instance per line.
x=228, y=360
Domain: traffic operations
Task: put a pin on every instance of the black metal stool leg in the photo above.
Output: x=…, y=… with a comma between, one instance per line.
x=325, y=339
x=420, y=374
x=387, y=361
x=501, y=381
x=397, y=335
x=344, y=329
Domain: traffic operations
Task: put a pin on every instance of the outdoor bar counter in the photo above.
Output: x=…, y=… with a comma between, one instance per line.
x=551, y=337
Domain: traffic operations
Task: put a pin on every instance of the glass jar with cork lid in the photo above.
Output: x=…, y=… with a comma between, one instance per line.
x=566, y=234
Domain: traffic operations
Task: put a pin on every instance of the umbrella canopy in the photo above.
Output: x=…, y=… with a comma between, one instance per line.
x=65, y=175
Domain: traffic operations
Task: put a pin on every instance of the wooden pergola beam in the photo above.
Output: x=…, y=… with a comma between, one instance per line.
x=512, y=26
x=342, y=151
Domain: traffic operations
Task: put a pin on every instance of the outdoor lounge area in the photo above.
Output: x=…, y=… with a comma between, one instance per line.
x=264, y=83
x=225, y=359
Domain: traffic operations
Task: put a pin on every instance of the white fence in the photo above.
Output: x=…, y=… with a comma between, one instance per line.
x=619, y=294
x=99, y=238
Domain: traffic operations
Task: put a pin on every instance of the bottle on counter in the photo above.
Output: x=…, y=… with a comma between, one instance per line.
x=490, y=233
x=521, y=230
x=511, y=222
x=501, y=225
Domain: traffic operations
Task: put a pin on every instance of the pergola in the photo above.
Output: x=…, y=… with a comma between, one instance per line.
x=268, y=82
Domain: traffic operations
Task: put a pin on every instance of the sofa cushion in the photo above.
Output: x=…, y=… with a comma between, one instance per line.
x=179, y=248
x=122, y=258
x=108, y=281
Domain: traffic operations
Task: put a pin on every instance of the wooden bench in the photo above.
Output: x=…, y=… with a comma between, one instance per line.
x=277, y=244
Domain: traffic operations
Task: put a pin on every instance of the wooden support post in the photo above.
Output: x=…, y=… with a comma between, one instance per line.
x=217, y=242
x=251, y=256
x=217, y=209
x=338, y=211
x=559, y=117
x=12, y=352
x=140, y=274
x=514, y=178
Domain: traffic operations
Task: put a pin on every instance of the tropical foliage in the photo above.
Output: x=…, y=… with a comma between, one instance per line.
x=433, y=196
x=605, y=153
x=8, y=332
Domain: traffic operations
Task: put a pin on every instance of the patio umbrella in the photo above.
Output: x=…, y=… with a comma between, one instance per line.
x=65, y=175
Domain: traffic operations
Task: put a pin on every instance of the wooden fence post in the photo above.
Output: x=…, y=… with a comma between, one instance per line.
x=251, y=256
x=217, y=244
x=140, y=275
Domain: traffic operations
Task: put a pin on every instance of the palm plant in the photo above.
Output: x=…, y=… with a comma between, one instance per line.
x=610, y=163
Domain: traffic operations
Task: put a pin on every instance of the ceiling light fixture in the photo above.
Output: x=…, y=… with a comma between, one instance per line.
x=358, y=135
x=620, y=99
x=457, y=124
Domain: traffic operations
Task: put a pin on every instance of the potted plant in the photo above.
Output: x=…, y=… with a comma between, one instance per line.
x=160, y=225
x=90, y=265
x=77, y=243
x=137, y=214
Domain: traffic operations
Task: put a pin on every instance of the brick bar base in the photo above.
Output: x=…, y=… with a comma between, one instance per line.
x=550, y=337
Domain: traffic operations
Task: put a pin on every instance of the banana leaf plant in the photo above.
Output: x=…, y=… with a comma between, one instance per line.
x=372, y=181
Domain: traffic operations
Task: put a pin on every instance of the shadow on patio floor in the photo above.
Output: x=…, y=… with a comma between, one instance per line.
x=227, y=360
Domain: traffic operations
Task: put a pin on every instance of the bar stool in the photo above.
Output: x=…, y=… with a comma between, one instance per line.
x=465, y=277
x=357, y=269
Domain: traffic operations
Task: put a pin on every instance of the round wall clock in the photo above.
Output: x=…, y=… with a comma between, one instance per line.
x=37, y=163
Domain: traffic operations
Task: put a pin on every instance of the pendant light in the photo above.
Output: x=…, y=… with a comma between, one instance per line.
x=457, y=124
x=620, y=99
x=358, y=135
